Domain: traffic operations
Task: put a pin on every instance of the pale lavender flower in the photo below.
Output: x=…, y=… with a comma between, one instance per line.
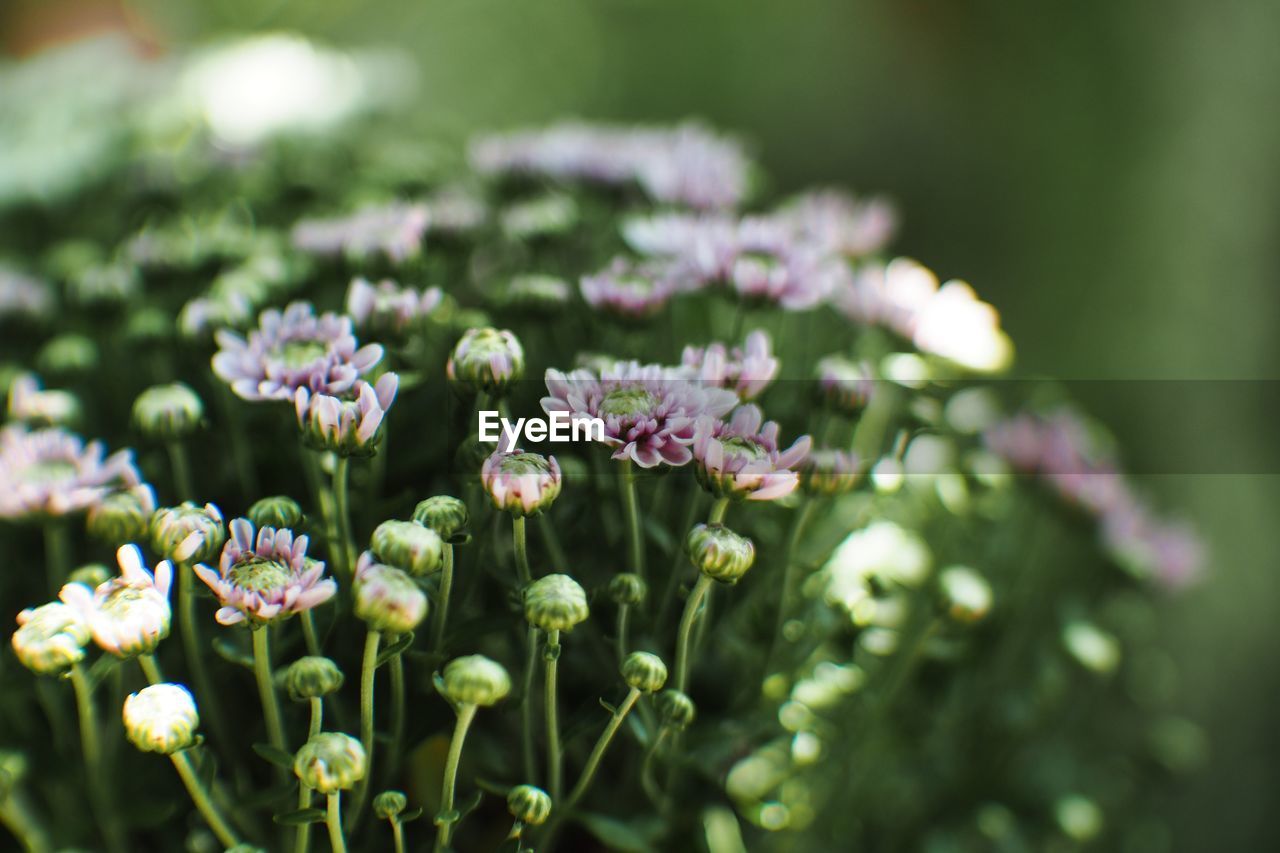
x=53, y=472
x=388, y=306
x=794, y=279
x=521, y=483
x=829, y=472
x=739, y=458
x=22, y=296
x=845, y=384
x=350, y=424
x=128, y=615
x=649, y=411
x=265, y=578
x=395, y=230
x=292, y=350
x=839, y=223
x=629, y=290
x=201, y=317
x=455, y=210
x=747, y=370
x=1168, y=552
x=33, y=404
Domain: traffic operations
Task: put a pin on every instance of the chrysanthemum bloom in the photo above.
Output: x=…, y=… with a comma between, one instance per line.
x=407, y=545
x=838, y=222
x=629, y=290
x=292, y=350
x=203, y=316
x=747, y=370
x=389, y=307
x=1167, y=552
x=957, y=326
x=702, y=247
x=161, y=718
x=32, y=404
x=122, y=517
x=265, y=579
x=350, y=423
x=53, y=472
x=794, y=279
x=50, y=638
x=555, y=603
x=844, y=384
x=486, y=361
x=129, y=615
x=188, y=533
x=829, y=472
x=393, y=230
x=521, y=483
x=649, y=411
x=739, y=458
x=387, y=598
x=330, y=762
x=168, y=411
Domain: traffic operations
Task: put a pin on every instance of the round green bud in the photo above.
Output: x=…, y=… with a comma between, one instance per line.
x=628, y=589
x=91, y=575
x=161, y=718
x=555, y=603
x=676, y=709
x=276, y=511
x=544, y=295
x=312, y=677
x=446, y=515
x=167, y=412
x=529, y=805
x=645, y=672
x=67, y=354
x=121, y=517
x=719, y=553
x=148, y=325
x=50, y=638
x=475, y=680
x=330, y=762
x=486, y=360
x=388, y=804
x=965, y=595
x=387, y=598
x=409, y=546
x=188, y=533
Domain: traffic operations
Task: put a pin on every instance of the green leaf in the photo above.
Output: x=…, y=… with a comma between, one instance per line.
x=274, y=754
x=469, y=807
x=299, y=817
x=410, y=814
x=101, y=669
x=393, y=649
x=229, y=651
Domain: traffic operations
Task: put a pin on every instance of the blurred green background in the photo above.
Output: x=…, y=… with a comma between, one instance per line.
x=1106, y=173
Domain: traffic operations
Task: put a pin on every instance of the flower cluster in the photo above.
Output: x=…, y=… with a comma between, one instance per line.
x=388, y=307
x=52, y=472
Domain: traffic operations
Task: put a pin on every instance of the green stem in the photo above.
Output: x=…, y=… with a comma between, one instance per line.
x=531, y=666
x=631, y=508
x=57, y=553
x=691, y=607
x=302, y=838
x=92, y=750
x=315, y=478
x=623, y=610
x=647, y=780
x=333, y=817
x=16, y=816
x=210, y=706
x=522, y=551
x=786, y=604
x=597, y=753
x=266, y=687
x=368, y=671
x=317, y=717
x=718, y=511
x=552, y=542
x=342, y=507
x=397, y=835
x=446, y=819
x=397, y=719
x=199, y=796
x=555, y=765
x=442, y=606
x=180, y=465
x=150, y=669
x=241, y=454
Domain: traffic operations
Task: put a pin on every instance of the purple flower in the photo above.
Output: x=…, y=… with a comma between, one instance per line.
x=53, y=472
x=747, y=370
x=266, y=578
x=1168, y=552
x=739, y=458
x=292, y=350
x=395, y=230
x=629, y=290
x=521, y=483
x=840, y=223
x=649, y=411
x=389, y=307
x=350, y=424
x=128, y=615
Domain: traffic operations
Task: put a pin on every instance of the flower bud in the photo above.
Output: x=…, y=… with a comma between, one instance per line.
x=389, y=804
x=628, y=589
x=486, y=360
x=966, y=595
x=50, y=638
x=161, y=718
x=827, y=473
x=67, y=354
x=387, y=598
x=122, y=517
x=475, y=680
x=444, y=514
x=529, y=805
x=542, y=295
x=676, y=709
x=91, y=575
x=188, y=533
x=330, y=762
x=521, y=483
x=128, y=615
x=167, y=412
x=645, y=672
x=311, y=677
x=719, y=553
x=278, y=511
x=845, y=385
x=555, y=603
x=409, y=546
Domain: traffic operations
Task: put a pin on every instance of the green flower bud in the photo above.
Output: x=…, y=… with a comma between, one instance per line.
x=188, y=533
x=409, y=546
x=529, y=805
x=387, y=598
x=719, y=553
x=475, y=680
x=168, y=412
x=645, y=672
x=555, y=603
x=148, y=325
x=676, y=709
x=486, y=359
x=966, y=595
x=446, y=515
x=543, y=295
x=122, y=517
x=91, y=575
x=543, y=216
x=312, y=677
x=276, y=511
x=161, y=718
x=67, y=354
x=330, y=762
x=628, y=589
x=388, y=804
x=50, y=638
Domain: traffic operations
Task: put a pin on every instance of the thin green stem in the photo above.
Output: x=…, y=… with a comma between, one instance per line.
x=323, y=497
x=368, y=671
x=266, y=687
x=199, y=796
x=89, y=744
x=309, y=635
x=57, y=553
x=555, y=761
x=302, y=838
x=597, y=753
x=17, y=816
x=333, y=818
x=193, y=649
x=447, y=818
x=150, y=669
x=631, y=509
x=552, y=542
x=522, y=551
x=317, y=717
x=787, y=597
x=396, y=664
x=442, y=606
x=623, y=611
x=647, y=780
x=691, y=607
x=397, y=835
x=526, y=709
x=180, y=465
x=342, y=508
x=241, y=453
x=718, y=511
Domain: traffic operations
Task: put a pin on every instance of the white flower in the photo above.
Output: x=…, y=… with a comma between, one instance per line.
x=882, y=550
x=161, y=718
x=129, y=615
x=50, y=638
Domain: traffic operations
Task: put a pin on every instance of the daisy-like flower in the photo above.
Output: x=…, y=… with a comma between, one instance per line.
x=844, y=384
x=128, y=615
x=1168, y=552
x=739, y=458
x=292, y=350
x=389, y=307
x=629, y=290
x=747, y=370
x=349, y=424
x=265, y=578
x=649, y=411
x=521, y=483
x=32, y=404
x=394, y=230
x=840, y=223
x=53, y=472
x=50, y=638
x=794, y=278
